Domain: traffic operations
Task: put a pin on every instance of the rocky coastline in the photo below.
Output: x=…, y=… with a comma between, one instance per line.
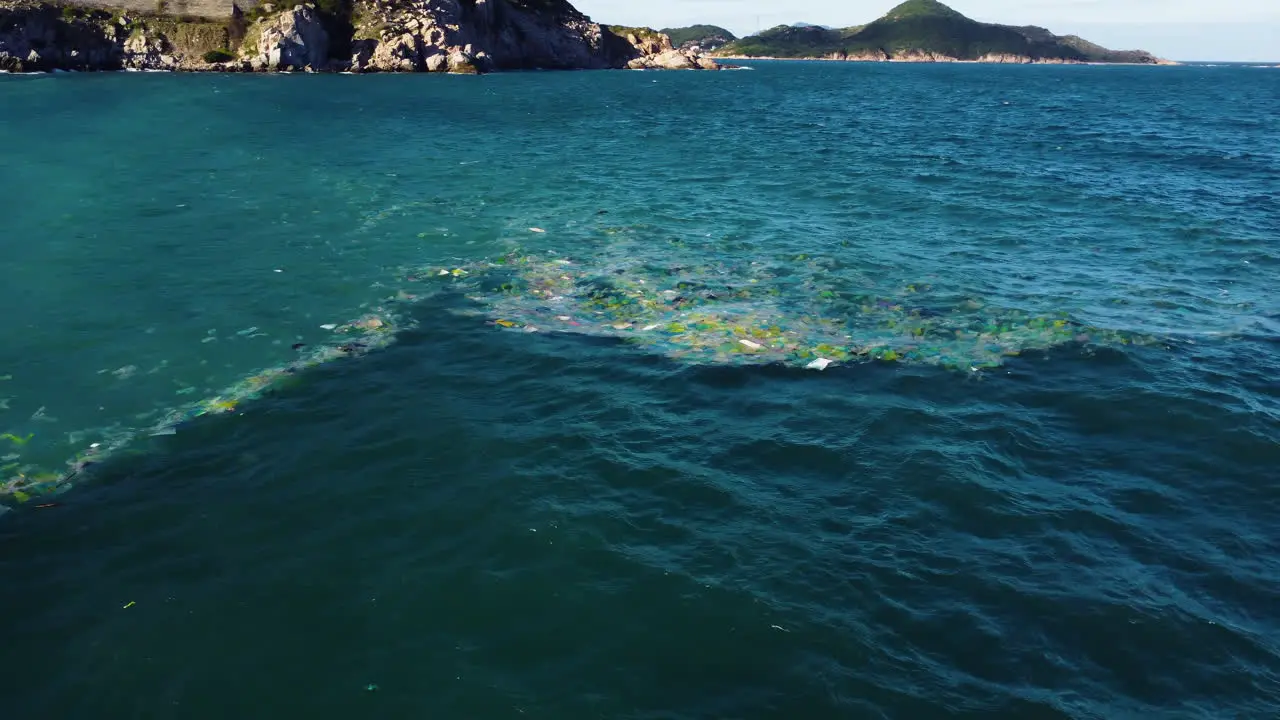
x=929, y=57
x=358, y=36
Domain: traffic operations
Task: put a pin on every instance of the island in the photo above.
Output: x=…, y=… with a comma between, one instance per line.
x=358, y=36
x=929, y=31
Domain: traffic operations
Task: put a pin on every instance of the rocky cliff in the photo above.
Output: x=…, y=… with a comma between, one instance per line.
x=460, y=36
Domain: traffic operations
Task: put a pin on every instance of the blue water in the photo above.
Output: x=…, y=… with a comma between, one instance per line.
x=548, y=445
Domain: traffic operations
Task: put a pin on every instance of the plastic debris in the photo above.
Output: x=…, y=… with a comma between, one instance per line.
x=129, y=605
x=676, y=298
x=536, y=230
x=696, y=307
x=365, y=334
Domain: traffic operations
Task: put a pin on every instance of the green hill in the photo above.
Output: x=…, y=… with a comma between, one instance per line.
x=922, y=9
x=706, y=36
x=923, y=28
x=788, y=41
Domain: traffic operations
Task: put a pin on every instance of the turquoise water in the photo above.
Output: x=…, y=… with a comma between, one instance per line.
x=547, y=445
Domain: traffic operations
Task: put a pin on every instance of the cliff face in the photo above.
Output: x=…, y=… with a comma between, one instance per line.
x=461, y=36
x=409, y=35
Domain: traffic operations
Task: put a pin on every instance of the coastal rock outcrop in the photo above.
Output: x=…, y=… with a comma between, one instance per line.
x=38, y=37
x=457, y=36
x=921, y=56
x=147, y=51
x=465, y=36
x=292, y=40
x=931, y=57
x=655, y=52
x=861, y=56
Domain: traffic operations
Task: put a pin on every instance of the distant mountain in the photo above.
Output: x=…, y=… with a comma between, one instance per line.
x=811, y=25
x=927, y=30
x=707, y=37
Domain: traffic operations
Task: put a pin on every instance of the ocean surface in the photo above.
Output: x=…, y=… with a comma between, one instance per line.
x=814, y=390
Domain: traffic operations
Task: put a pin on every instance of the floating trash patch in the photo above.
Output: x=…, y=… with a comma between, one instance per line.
x=22, y=481
x=690, y=303
x=800, y=311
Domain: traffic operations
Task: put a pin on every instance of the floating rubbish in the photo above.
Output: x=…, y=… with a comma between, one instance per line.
x=701, y=308
x=687, y=302
x=372, y=331
x=536, y=230
x=129, y=605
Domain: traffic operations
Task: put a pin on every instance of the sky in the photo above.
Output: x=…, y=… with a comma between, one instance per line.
x=1229, y=30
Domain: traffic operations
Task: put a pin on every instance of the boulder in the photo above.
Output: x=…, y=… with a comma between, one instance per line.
x=674, y=60
x=462, y=63
x=437, y=62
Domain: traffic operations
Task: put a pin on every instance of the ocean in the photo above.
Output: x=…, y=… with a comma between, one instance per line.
x=813, y=390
